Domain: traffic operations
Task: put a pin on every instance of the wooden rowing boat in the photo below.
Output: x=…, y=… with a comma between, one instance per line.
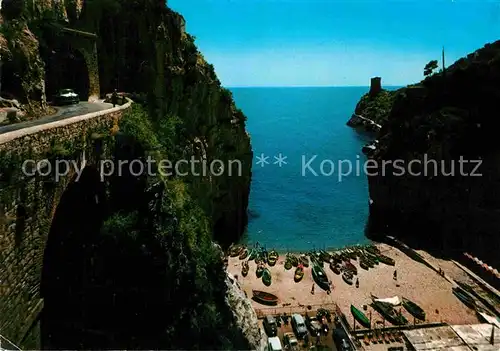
x=294, y=260
x=414, y=309
x=266, y=277
x=299, y=274
x=335, y=268
x=243, y=254
x=264, y=298
x=272, y=258
x=347, y=277
x=360, y=317
x=244, y=269
x=320, y=277
x=235, y=251
x=388, y=312
x=386, y=260
x=304, y=260
x=259, y=271
x=363, y=263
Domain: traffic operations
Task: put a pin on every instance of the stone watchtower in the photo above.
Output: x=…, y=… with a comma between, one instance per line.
x=375, y=86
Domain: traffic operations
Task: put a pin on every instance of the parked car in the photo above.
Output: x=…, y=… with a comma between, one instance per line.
x=340, y=339
x=274, y=344
x=66, y=96
x=270, y=326
x=299, y=326
x=313, y=325
x=290, y=341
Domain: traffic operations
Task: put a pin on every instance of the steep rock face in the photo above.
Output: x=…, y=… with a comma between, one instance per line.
x=245, y=315
x=445, y=118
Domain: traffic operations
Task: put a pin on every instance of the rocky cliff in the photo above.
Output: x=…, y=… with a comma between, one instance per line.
x=186, y=115
x=448, y=198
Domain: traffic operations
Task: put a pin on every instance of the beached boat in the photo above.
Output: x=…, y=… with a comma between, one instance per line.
x=386, y=260
x=264, y=298
x=294, y=260
x=304, y=260
x=252, y=255
x=360, y=317
x=414, y=309
x=463, y=296
x=266, y=277
x=273, y=258
x=264, y=256
x=389, y=313
x=259, y=271
x=372, y=249
x=244, y=269
x=373, y=258
x=288, y=263
x=335, y=268
x=347, y=277
x=299, y=273
x=235, y=251
x=243, y=254
x=350, y=267
x=369, y=262
x=324, y=256
x=363, y=263
x=320, y=277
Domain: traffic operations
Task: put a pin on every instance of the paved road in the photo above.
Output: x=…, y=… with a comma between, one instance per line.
x=63, y=112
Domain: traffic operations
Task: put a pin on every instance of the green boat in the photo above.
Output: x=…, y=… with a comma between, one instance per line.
x=389, y=313
x=299, y=274
x=266, y=277
x=259, y=271
x=320, y=277
x=386, y=260
x=414, y=309
x=288, y=263
x=294, y=260
x=272, y=258
x=360, y=317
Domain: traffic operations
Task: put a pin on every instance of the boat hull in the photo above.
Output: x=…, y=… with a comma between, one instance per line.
x=360, y=317
x=264, y=298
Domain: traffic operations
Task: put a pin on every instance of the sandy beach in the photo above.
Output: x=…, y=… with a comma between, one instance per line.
x=415, y=281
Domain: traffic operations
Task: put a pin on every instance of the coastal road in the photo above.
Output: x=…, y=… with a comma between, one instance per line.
x=63, y=112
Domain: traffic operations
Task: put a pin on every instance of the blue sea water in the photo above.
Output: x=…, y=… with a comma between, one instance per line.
x=290, y=207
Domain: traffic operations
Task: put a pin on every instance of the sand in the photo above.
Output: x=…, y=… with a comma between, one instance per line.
x=415, y=281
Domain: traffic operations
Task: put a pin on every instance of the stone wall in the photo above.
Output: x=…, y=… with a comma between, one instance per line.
x=28, y=204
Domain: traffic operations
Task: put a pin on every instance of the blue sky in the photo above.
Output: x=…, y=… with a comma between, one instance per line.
x=334, y=42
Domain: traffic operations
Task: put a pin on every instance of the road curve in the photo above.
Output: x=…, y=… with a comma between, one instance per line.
x=63, y=112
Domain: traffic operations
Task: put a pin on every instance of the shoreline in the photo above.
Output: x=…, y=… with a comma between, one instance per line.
x=329, y=249
x=415, y=281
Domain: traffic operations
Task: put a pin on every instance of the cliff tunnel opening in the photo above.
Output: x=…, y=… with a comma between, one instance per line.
x=67, y=263
x=66, y=68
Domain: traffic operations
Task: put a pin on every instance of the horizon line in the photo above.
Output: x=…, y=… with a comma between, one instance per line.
x=305, y=86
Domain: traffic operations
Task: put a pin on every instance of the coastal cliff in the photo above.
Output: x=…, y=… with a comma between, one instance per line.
x=437, y=201
x=158, y=229
x=373, y=108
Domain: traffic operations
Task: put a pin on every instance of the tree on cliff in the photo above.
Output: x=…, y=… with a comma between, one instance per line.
x=430, y=67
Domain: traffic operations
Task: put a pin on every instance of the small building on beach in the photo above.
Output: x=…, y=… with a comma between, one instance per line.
x=477, y=337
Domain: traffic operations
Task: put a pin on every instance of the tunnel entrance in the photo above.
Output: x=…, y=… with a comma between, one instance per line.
x=67, y=266
x=66, y=69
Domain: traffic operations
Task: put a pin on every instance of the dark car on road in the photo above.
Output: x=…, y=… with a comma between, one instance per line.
x=65, y=97
x=270, y=326
x=313, y=325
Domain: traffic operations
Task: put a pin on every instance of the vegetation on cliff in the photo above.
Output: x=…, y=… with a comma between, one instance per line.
x=376, y=107
x=448, y=117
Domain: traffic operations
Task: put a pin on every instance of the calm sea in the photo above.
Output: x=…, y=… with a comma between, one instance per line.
x=296, y=207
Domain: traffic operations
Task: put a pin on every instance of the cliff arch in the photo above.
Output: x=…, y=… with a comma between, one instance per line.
x=67, y=260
